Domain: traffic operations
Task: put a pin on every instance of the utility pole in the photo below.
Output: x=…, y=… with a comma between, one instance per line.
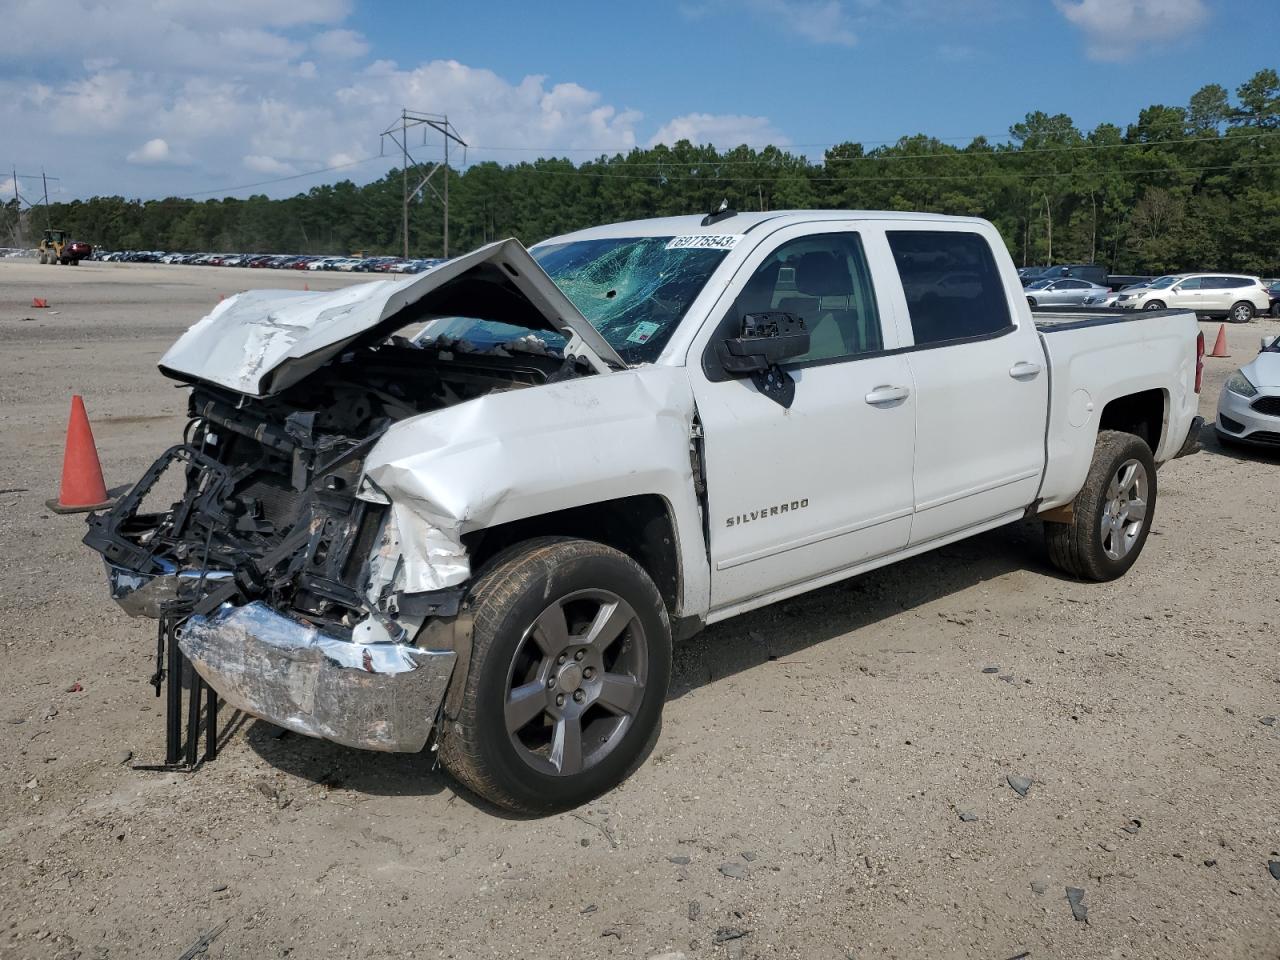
x=1048, y=214
x=398, y=131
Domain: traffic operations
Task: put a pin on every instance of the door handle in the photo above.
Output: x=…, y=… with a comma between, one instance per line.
x=882, y=396
x=1024, y=370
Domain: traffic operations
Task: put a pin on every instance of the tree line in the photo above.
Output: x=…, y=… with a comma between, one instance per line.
x=1182, y=187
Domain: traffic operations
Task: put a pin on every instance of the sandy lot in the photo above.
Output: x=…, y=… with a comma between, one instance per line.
x=820, y=751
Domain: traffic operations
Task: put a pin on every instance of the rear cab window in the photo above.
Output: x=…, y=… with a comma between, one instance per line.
x=940, y=311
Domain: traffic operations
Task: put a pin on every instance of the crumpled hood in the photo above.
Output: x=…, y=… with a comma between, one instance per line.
x=262, y=341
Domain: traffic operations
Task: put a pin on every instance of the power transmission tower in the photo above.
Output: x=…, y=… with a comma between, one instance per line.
x=399, y=134
x=20, y=199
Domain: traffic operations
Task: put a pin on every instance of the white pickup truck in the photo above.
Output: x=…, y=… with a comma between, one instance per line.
x=485, y=536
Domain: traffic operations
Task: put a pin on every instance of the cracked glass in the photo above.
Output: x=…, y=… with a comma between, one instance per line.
x=633, y=290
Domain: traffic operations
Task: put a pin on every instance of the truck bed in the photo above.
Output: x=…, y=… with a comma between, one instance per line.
x=1075, y=318
x=1097, y=355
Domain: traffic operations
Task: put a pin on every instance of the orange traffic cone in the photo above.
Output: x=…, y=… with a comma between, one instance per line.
x=83, y=488
x=1220, y=345
x=38, y=302
x=306, y=286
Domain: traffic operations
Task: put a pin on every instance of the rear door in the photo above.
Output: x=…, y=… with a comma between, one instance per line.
x=795, y=493
x=979, y=379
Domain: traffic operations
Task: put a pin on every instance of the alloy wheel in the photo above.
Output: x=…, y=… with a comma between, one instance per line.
x=576, y=682
x=1124, y=510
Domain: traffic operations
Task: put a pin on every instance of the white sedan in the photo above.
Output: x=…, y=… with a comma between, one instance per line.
x=1249, y=407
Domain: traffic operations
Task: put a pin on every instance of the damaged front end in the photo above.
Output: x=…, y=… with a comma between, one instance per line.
x=285, y=573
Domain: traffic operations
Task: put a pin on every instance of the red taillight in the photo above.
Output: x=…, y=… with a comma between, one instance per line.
x=1199, y=359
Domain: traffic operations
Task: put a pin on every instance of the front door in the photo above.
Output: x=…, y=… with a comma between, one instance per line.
x=795, y=493
x=1188, y=295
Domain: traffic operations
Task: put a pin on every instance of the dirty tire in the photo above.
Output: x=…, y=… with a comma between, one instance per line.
x=1077, y=548
x=512, y=592
x=1241, y=312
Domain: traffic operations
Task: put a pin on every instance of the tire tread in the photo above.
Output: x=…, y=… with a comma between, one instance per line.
x=502, y=581
x=1070, y=544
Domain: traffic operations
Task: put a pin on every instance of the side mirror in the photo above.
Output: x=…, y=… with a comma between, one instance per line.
x=766, y=340
x=1269, y=343
x=1176, y=288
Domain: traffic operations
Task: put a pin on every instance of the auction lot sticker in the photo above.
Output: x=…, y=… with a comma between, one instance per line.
x=705, y=241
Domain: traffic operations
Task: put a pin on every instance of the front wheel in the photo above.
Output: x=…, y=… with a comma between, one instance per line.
x=1031, y=302
x=1153, y=305
x=1112, y=513
x=570, y=662
x=1241, y=312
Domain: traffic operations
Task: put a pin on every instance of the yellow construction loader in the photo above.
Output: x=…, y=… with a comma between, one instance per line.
x=57, y=247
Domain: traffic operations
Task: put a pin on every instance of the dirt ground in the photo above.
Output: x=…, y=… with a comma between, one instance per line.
x=804, y=799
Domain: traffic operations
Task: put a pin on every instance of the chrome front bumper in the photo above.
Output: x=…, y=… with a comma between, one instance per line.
x=146, y=595
x=378, y=696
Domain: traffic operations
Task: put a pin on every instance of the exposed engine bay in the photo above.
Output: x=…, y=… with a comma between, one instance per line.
x=270, y=508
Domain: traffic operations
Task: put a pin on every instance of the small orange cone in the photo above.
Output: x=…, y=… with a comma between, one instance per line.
x=38, y=302
x=83, y=488
x=1220, y=345
x=306, y=286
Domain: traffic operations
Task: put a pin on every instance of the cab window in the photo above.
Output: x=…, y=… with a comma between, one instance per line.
x=823, y=280
x=939, y=312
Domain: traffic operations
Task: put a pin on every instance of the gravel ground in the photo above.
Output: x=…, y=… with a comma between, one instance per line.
x=831, y=781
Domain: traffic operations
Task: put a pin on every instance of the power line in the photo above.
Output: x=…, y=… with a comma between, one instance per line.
x=961, y=176
x=1008, y=151
x=259, y=183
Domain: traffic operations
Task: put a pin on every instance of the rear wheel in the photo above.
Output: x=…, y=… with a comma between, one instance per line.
x=1112, y=512
x=1154, y=305
x=1241, y=312
x=570, y=662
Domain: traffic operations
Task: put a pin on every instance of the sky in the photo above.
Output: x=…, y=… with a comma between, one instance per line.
x=182, y=98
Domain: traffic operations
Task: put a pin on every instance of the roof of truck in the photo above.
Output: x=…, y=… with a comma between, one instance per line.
x=740, y=223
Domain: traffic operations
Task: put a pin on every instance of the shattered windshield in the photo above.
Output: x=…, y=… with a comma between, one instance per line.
x=634, y=290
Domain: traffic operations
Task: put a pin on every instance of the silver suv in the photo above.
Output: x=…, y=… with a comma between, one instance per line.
x=1232, y=295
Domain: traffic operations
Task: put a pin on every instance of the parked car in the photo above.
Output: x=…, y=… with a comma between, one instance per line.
x=1092, y=272
x=1273, y=291
x=1067, y=292
x=1234, y=296
x=390, y=543
x=1249, y=405
x=1109, y=299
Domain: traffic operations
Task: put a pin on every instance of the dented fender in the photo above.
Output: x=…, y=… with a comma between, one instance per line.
x=526, y=453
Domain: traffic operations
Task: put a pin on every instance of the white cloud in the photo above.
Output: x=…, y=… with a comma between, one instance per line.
x=723, y=130
x=261, y=164
x=151, y=152
x=160, y=97
x=824, y=22
x=342, y=44
x=1116, y=29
